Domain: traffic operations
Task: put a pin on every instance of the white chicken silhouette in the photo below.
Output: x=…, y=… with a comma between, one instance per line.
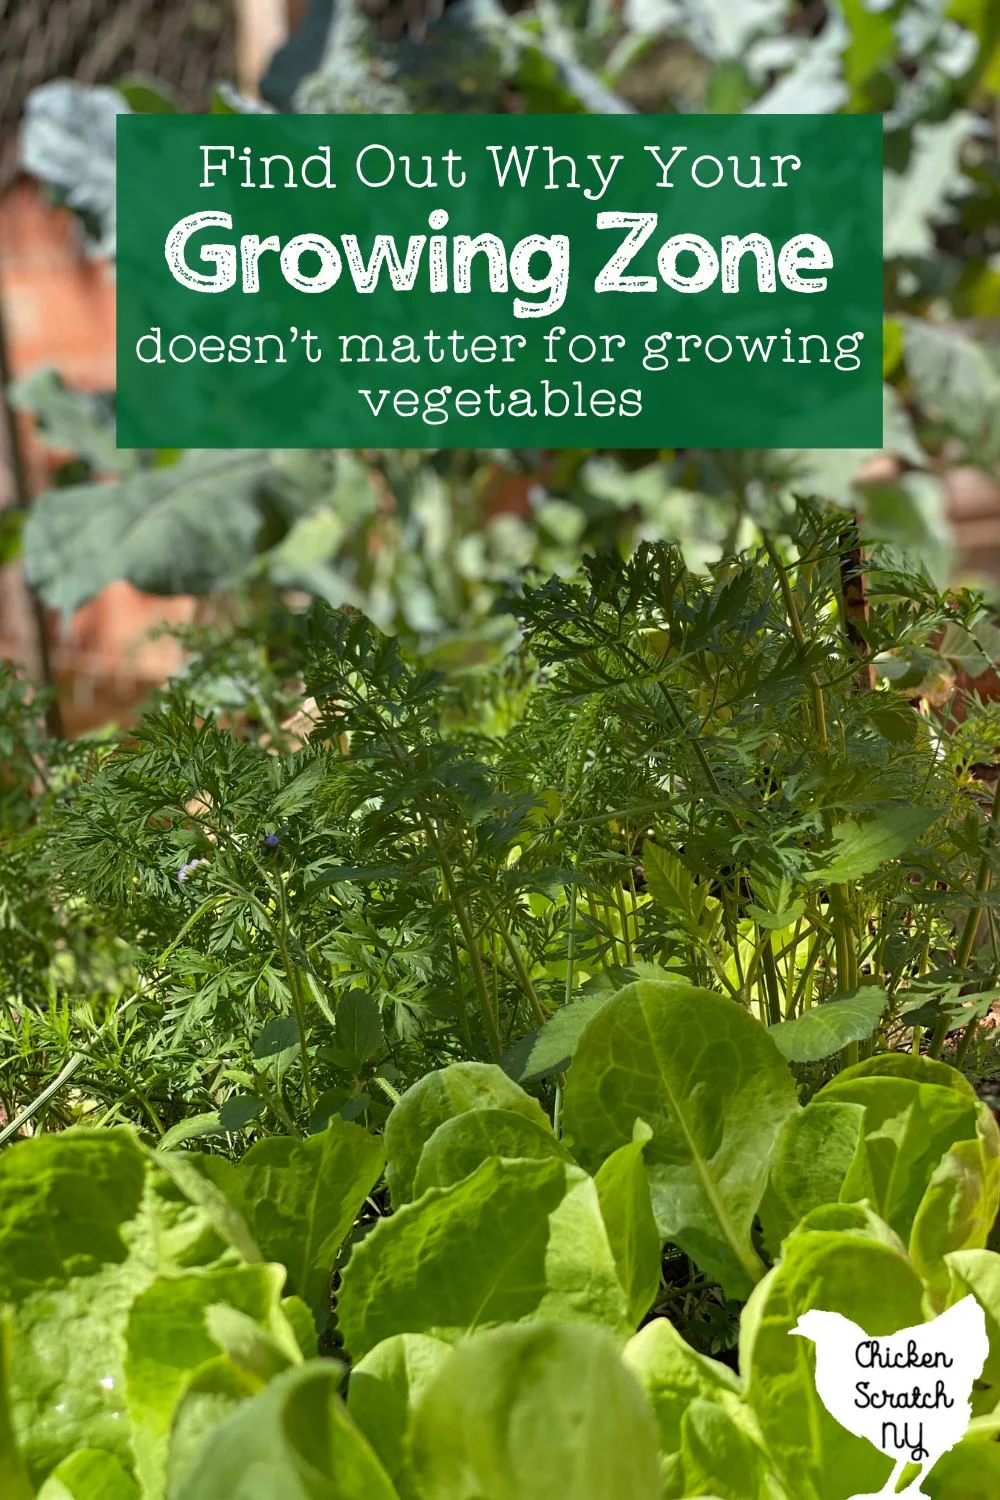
x=857, y=1378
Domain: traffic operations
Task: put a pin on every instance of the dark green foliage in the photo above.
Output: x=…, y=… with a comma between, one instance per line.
x=659, y=774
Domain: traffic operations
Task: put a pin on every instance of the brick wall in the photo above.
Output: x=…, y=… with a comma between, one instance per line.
x=59, y=312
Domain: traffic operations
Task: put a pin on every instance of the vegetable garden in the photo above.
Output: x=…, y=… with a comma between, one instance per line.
x=546, y=939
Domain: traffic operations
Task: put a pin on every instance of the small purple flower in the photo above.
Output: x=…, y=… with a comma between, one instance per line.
x=272, y=841
x=185, y=870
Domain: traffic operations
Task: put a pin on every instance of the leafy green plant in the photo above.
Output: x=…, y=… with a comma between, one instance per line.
x=470, y=851
x=501, y=1323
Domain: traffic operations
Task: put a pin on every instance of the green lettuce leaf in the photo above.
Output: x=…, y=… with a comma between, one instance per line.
x=461, y=1144
x=181, y=1323
x=971, y=1471
x=868, y=1282
x=714, y=1090
x=88, y=1220
x=295, y=1440
x=302, y=1197
x=88, y=1475
x=515, y=1241
x=623, y=1192
x=13, y=1475
x=721, y=1458
x=529, y=1413
x=978, y=1272
x=438, y=1097
x=960, y=1203
x=673, y=1375
x=384, y=1388
x=818, y=1149
x=908, y=1128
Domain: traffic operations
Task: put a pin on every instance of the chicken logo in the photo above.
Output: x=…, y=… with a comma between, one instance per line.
x=907, y=1393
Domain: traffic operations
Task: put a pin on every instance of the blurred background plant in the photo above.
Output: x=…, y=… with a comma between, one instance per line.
x=420, y=540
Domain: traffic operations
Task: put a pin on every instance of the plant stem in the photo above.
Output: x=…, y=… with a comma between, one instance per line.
x=595, y=918
x=135, y=1091
x=770, y=972
x=458, y=905
x=753, y=969
x=272, y=1098
x=463, y=1010
x=799, y=636
x=393, y=1095
x=619, y=891
x=854, y=602
x=804, y=987
x=520, y=968
x=847, y=959
x=840, y=900
x=205, y=906
x=790, y=971
x=984, y=879
x=732, y=935
x=612, y=935
x=964, y=1042
x=465, y=923
x=13, y=1126
x=72, y=1066
x=699, y=752
x=295, y=989
x=571, y=942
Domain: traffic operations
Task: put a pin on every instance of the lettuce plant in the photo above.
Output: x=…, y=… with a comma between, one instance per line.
x=178, y=1328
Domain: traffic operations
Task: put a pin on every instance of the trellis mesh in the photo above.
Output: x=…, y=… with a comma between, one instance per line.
x=186, y=45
